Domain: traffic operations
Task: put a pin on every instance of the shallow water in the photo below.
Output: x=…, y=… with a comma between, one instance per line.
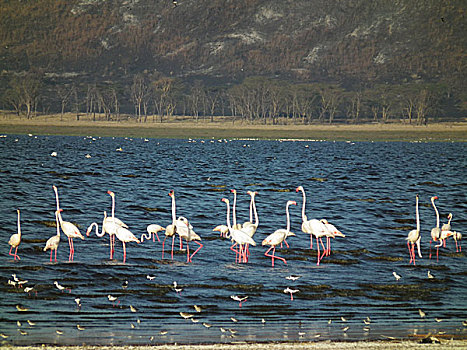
x=366, y=189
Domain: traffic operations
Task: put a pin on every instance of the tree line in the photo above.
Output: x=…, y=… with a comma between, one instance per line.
x=262, y=100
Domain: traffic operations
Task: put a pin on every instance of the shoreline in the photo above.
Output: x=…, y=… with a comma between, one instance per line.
x=223, y=128
x=323, y=345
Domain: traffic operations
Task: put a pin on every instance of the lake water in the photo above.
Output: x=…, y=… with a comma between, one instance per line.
x=366, y=189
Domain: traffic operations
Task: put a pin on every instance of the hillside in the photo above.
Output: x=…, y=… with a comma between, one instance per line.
x=354, y=44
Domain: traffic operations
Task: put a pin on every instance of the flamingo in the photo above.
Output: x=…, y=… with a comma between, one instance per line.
x=313, y=227
x=53, y=242
x=114, y=220
x=69, y=229
x=447, y=226
x=152, y=230
x=15, y=240
x=169, y=232
x=125, y=236
x=223, y=229
x=186, y=231
x=457, y=238
x=279, y=236
x=414, y=236
x=240, y=237
x=249, y=227
x=435, y=231
x=332, y=229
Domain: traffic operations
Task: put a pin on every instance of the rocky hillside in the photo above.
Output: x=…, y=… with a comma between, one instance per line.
x=354, y=43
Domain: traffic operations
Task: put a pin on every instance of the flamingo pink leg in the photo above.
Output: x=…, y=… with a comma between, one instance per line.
x=51, y=251
x=311, y=241
x=15, y=255
x=410, y=251
x=430, y=249
x=273, y=256
x=55, y=254
x=317, y=243
x=236, y=251
x=324, y=250
x=124, y=252
x=196, y=251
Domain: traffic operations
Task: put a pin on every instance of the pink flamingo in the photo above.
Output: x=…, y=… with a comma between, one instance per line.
x=185, y=231
x=115, y=220
x=238, y=236
x=222, y=229
x=53, y=242
x=152, y=229
x=332, y=230
x=435, y=231
x=68, y=228
x=457, y=238
x=279, y=236
x=15, y=240
x=313, y=227
x=125, y=236
x=414, y=236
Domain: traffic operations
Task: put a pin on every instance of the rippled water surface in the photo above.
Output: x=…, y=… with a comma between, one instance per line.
x=366, y=189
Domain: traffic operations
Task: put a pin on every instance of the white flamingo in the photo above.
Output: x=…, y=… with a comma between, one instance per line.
x=125, y=236
x=457, y=238
x=53, y=242
x=447, y=226
x=113, y=219
x=222, y=229
x=234, y=215
x=279, y=236
x=68, y=228
x=152, y=229
x=249, y=227
x=313, y=227
x=435, y=231
x=186, y=232
x=15, y=240
x=332, y=230
x=414, y=236
x=238, y=236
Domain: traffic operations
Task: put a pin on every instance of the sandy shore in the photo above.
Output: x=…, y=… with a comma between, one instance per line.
x=179, y=127
x=325, y=345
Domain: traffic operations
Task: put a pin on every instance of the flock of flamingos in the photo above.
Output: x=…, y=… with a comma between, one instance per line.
x=241, y=235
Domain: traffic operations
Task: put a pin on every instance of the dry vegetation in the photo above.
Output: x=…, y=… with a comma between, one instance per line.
x=225, y=127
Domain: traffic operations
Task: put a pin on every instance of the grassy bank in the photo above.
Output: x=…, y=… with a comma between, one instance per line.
x=225, y=128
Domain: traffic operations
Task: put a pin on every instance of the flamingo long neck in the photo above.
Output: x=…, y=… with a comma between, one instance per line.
x=256, y=213
x=304, y=218
x=449, y=221
x=113, y=207
x=234, y=215
x=102, y=233
x=437, y=214
x=288, y=217
x=56, y=197
x=19, y=225
x=57, y=221
x=417, y=216
x=251, y=206
x=174, y=217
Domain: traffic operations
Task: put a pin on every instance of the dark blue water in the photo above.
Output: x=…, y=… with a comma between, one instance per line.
x=365, y=189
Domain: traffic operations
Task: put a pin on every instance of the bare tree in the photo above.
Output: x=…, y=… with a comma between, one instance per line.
x=64, y=93
x=139, y=95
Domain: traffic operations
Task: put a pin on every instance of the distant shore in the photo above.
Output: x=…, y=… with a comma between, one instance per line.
x=185, y=127
x=324, y=345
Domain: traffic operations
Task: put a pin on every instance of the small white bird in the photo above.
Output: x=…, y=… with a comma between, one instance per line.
x=290, y=291
x=150, y=277
x=177, y=290
x=78, y=302
x=234, y=319
x=88, y=156
x=293, y=277
x=21, y=309
x=396, y=276
x=241, y=300
x=343, y=319
x=53, y=154
x=422, y=313
x=59, y=287
x=132, y=308
x=430, y=275
x=81, y=328
x=197, y=308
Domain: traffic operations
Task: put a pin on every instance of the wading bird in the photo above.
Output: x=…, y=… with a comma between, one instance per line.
x=414, y=236
x=15, y=240
x=279, y=236
x=53, y=242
